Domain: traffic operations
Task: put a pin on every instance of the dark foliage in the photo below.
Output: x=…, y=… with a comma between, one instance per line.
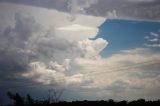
x=17, y=99
x=29, y=101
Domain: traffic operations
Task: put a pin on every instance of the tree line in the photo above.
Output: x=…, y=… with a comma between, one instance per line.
x=19, y=100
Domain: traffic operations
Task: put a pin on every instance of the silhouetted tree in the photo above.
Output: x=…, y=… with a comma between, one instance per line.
x=29, y=100
x=122, y=103
x=141, y=101
x=17, y=99
x=55, y=95
x=1, y=102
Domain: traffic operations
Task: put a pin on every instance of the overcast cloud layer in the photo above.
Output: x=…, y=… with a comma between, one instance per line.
x=124, y=9
x=52, y=46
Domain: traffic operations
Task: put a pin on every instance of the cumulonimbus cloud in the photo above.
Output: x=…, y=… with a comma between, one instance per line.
x=46, y=47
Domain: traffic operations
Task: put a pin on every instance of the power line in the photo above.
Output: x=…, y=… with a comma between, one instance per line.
x=95, y=72
x=117, y=69
x=125, y=68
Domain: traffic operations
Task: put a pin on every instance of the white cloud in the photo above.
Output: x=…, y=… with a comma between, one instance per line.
x=153, y=45
x=112, y=14
x=92, y=48
x=153, y=40
x=54, y=43
x=153, y=37
x=79, y=6
x=141, y=0
x=75, y=30
x=138, y=65
x=50, y=19
x=76, y=27
x=49, y=73
x=40, y=73
x=75, y=79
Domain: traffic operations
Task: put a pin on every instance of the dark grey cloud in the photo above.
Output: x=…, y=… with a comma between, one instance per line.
x=125, y=9
x=50, y=4
x=13, y=47
x=19, y=46
x=15, y=56
x=26, y=42
x=27, y=45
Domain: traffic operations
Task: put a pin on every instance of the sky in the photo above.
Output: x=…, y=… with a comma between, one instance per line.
x=92, y=49
x=127, y=34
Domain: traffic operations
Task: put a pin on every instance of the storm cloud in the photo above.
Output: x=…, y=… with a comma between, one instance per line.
x=54, y=43
x=121, y=9
x=37, y=49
